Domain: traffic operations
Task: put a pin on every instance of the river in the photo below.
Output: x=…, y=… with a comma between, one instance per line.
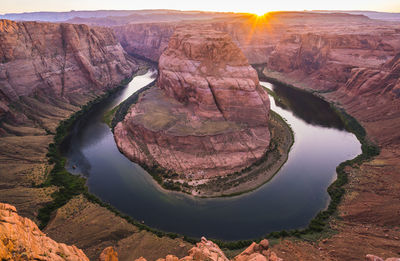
x=289, y=201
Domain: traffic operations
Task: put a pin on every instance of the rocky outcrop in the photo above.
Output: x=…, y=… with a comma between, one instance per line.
x=208, y=117
x=21, y=239
x=260, y=252
x=145, y=40
x=325, y=60
x=377, y=258
x=54, y=64
x=207, y=250
x=108, y=254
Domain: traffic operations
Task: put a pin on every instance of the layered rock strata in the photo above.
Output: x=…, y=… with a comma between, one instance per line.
x=54, y=64
x=208, y=115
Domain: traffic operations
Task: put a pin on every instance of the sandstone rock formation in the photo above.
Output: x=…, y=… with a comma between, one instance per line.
x=370, y=257
x=260, y=252
x=208, y=117
x=55, y=64
x=145, y=40
x=207, y=250
x=108, y=254
x=21, y=239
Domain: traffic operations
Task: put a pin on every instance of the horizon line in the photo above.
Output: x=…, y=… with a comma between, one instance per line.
x=204, y=11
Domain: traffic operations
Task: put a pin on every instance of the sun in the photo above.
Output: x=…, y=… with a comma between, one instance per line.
x=260, y=13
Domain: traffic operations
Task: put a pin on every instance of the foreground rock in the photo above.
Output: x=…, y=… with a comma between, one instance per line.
x=207, y=118
x=21, y=239
x=108, y=254
x=207, y=250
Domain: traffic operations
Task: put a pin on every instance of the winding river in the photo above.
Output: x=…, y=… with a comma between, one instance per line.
x=289, y=201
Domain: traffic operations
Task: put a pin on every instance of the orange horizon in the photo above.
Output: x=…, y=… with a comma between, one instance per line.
x=249, y=6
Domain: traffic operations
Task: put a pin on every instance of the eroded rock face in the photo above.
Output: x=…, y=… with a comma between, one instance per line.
x=208, y=116
x=146, y=40
x=209, y=72
x=259, y=252
x=21, y=239
x=55, y=63
x=108, y=254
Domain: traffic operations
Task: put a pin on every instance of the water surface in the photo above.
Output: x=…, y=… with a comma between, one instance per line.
x=289, y=201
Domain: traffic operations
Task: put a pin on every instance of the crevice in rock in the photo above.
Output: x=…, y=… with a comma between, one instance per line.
x=215, y=99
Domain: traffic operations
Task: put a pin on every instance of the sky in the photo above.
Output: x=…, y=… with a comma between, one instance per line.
x=249, y=6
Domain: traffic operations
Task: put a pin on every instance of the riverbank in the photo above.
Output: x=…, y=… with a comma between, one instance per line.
x=69, y=185
x=257, y=174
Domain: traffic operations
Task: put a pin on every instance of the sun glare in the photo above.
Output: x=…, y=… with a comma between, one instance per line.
x=259, y=13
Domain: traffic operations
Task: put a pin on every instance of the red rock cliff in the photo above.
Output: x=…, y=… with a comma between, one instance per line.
x=208, y=117
x=49, y=61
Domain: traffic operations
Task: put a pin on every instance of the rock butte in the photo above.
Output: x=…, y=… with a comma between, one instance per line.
x=209, y=115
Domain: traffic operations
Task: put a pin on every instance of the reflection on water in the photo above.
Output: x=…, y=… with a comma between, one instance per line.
x=306, y=106
x=288, y=201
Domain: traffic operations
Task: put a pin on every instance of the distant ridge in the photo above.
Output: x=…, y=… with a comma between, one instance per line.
x=387, y=16
x=64, y=16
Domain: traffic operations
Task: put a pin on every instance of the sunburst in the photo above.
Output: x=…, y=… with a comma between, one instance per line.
x=260, y=13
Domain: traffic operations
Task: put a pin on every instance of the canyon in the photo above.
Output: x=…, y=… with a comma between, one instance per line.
x=206, y=118
x=351, y=61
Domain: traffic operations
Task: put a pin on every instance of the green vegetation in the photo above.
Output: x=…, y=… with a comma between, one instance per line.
x=123, y=108
x=68, y=185
x=273, y=94
x=108, y=116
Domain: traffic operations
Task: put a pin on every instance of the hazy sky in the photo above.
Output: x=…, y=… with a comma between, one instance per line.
x=251, y=6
